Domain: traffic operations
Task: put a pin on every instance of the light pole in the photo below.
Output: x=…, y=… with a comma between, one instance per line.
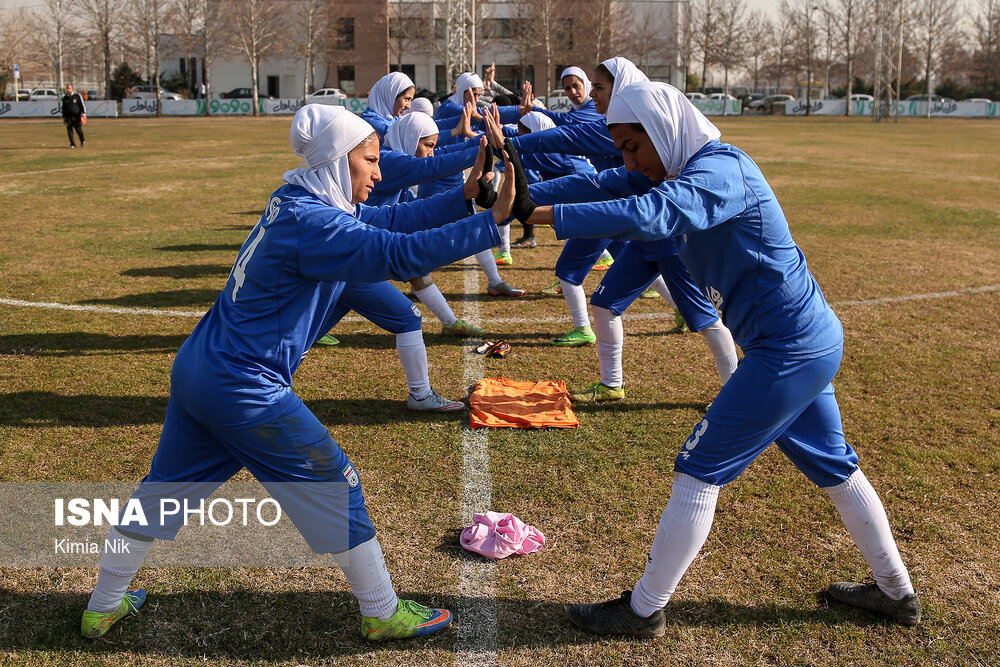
x=809, y=54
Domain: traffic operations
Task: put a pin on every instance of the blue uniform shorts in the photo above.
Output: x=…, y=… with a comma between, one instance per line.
x=293, y=456
x=771, y=399
x=578, y=257
x=379, y=303
x=634, y=270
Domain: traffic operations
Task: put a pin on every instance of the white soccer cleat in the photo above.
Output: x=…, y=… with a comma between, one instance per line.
x=434, y=402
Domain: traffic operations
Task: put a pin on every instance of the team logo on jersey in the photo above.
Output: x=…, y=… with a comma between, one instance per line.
x=272, y=209
x=351, y=475
x=692, y=442
x=715, y=297
x=416, y=311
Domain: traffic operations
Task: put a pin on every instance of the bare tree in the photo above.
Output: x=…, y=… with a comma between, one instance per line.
x=102, y=19
x=805, y=44
x=52, y=28
x=933, y=25
x=213, y=41
x=14, y=44
x=148, y=18
x=705, y=22
x=409, y=28
x=986, y=39
x=313, y=22
x=258, y=29
x=188, y=16
x=545, y=29
x=784, y=46
x=732, y=29
x=605, y=27
x=685, y=40
x=845, y=17
x=642, y=39
x=758, y=45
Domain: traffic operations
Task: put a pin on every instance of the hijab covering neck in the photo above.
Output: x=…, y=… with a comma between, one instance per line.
x=465, y=81
x=536, y=121
x=580, y=74
x=322, y=135
x=625, y=73
x=676, y=127
x=405, y=134
x=383, y=94
x=423, y=105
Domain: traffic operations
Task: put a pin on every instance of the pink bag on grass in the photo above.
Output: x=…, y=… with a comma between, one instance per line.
x=497, y=535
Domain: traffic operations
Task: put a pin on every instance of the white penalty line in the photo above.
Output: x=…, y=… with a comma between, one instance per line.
x=477, y=605
x=152, y=163
x=473, y=305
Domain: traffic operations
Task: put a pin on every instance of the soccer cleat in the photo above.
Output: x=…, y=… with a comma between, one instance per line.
x=615, y=617
x=410, y=620
x=433, y=402
x=95, y=623
x=870, y=596
x=72, y=145
x=604, y=263
x=576, y=337
x=327, y=340
x=525, y=242
x=650, y=293
x=598, y=393
x=553, y=290
x=462, y=328
x=679, y=322
x=503, y=288
x=503, y=259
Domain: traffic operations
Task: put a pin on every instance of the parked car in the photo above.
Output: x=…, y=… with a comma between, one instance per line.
x=326, y=96
x=45, y=94
x=750, y=98
x=772, y=102
x=720, y=96
x=92, y=94
x=928, y=98
x=149, y=93
x=861, y=97
x=23, y=94
x=696, y=96
x=237, y=94
x=977, y=99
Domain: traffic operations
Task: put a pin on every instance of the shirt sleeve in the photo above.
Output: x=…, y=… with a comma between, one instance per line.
x=711, y=193
x=585, y=115
x=586, y=188
x=400, y=170
x=414, y=216
x=573, y=139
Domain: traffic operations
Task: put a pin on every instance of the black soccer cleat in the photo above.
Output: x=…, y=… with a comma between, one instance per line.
x=871, y=597
x=615, y=617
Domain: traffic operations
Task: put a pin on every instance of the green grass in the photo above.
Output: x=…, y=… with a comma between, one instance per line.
x=150, y=215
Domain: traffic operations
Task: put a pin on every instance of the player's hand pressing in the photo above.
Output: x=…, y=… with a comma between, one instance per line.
x=505, y=198
x=477, y=185
x=523, y=207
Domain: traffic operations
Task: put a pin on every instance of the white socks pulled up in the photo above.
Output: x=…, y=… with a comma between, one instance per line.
x=413, y=356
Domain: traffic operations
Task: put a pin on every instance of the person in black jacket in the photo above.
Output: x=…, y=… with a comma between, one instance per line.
x=74, y=111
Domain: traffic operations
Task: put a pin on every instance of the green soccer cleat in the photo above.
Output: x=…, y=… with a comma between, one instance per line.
x=503, y=259
x=553, y=290
x=650, y=293
x=410, y=620
x=576, y=337
x=327, y=340
x=463, y=328
x=598, y=393
x=679, y=322
x=95, y=623
x=604, y=263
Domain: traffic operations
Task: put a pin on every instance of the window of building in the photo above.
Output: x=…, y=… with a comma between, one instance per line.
x=564, y=33
x=345, y=78
x=512, y=76
x=508, y=28
x=408, y=70
x=440, y=79
x=273, y=88
x=345, y=34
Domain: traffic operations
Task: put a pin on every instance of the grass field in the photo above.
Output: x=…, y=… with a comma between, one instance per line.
x=150, y=215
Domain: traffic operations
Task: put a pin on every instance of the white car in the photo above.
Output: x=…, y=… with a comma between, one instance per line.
x=696, y=96
x=861, y=97
x=45, y=94
x=149, y=93
x=977, y=99
x=326, y=96
x=720, y=96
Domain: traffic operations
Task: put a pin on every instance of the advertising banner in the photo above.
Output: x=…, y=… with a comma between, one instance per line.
x=912, y=109
x=53, y=109
x=715, y=107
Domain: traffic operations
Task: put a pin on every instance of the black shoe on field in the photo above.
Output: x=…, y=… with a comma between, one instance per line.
x=524, y=242
x=871, y=597
x=615, y=617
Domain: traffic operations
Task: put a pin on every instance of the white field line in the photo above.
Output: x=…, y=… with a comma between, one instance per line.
x=143, y=164
x=477, y=605
x=471, y=304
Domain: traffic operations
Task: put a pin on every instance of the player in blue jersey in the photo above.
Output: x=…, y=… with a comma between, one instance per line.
x=389, y=100
x=734, y=238
x=231, y=402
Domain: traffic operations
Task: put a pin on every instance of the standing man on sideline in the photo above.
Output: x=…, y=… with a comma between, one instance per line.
x=74, y=113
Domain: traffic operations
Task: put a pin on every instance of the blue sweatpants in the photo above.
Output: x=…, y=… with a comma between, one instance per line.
x=773, y=399
x=578, y=257
x=379, y=303
x=293, y=456
x=635, y=269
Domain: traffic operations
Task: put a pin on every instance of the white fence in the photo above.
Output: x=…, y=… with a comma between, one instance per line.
x=53, y=109
x=906, y=109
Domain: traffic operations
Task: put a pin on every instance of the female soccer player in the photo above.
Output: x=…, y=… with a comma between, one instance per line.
x=733, y=236
x=231, y=403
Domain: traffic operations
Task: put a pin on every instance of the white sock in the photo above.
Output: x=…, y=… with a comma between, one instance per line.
x=683, y=529
x=576, y=299
x=504, y=238
x=610, y=340
x=720, y=342
x=661, y=288
x=117, y=570
x=489, y=267
x=413, y=356
x=432, y=298
x=865, y=519
x=364, y=566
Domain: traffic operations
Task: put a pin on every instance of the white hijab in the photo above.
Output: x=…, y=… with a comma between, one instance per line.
x=322, y=135
x=625, y=73
x=536, y=121
x=465, y=81
x=580, y=74
x=405, y=134
x=676, y=127
x=383, y=94
x=423, y=105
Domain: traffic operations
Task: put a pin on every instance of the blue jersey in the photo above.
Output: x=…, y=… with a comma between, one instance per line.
x=733, y=237
x=587, y=113
x=450, y=112
x=588, y=139
x=554, y=165
x=400, y=171
x=236, y=367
